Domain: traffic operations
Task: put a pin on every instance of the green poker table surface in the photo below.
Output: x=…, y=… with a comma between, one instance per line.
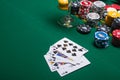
x=29, y=27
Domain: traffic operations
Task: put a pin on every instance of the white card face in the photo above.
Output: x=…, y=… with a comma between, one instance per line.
x=70, y=48
x=66, y=69
x=50, y=63
x=60, y=57
x=66, y=56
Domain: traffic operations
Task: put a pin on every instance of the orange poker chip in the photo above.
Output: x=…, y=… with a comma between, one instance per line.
x=116, y=33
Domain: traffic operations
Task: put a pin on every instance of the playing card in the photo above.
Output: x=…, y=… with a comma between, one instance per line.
x=68, y=68
x=50, y=63
x=54, y=60
x=53, y=52
x=70, y=48
x=66, y=56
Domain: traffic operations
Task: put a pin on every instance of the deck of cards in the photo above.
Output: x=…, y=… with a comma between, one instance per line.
x=65, y=56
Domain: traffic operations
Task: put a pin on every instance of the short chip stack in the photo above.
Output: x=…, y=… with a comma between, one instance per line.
x=116, y=37
x=101, y=39
x=115, y=24
x=63, y=4
x=84, y=29
x=84, y=8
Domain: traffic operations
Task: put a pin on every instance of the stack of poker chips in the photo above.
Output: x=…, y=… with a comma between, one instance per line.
x=92, y=19
x=98, y=6
x=101, y=39
x=84, y=9
x=63, y=4
x=74, y=8
x=84, y=28
x=108, y=9
x=111, y=15
x=116, y=37
x=115, y=24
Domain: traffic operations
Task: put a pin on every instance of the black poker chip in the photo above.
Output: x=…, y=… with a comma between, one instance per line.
x=115, y=24
x=104, y=28
x=75, y=7
x=84, y=29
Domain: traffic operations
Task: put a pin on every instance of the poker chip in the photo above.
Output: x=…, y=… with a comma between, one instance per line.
x=116, y=37
x=84, y=8
x=86, y=3
x=63, y=4
x=101, y=39
x=104, y=28
x=84, y=29
x=116, y=34
x=101, y=35
x=116, y=6
x=98, y=7
x=115, y=24
x=99, y=4
x=111, y=9
x=92, y=18
x=111, y=15
x=75, y=8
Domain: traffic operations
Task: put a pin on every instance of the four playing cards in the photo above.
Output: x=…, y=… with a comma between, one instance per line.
x=65, y=56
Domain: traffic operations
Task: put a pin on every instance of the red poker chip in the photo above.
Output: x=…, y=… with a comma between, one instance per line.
x=116, y=33
x=116, y=6
x=86, y=3
x=107, y=6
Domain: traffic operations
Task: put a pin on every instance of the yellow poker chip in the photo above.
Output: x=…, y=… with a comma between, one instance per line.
x=118, y=14
x=63, y=4
x=113, y=14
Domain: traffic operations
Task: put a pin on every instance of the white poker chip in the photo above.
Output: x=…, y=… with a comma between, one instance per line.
x=111, y=9
x=99, y=4
x=93, y=16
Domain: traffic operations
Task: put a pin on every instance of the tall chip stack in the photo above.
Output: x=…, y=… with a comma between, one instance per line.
x=111, y=15
x=84, y=9
x=101, y=39
x=74, y=8
x=98, y=6
x=116, y=37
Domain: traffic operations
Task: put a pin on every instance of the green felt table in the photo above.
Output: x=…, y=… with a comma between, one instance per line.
x=29, y=27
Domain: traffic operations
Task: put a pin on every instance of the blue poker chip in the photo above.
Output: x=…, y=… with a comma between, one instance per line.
x=101, y=35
